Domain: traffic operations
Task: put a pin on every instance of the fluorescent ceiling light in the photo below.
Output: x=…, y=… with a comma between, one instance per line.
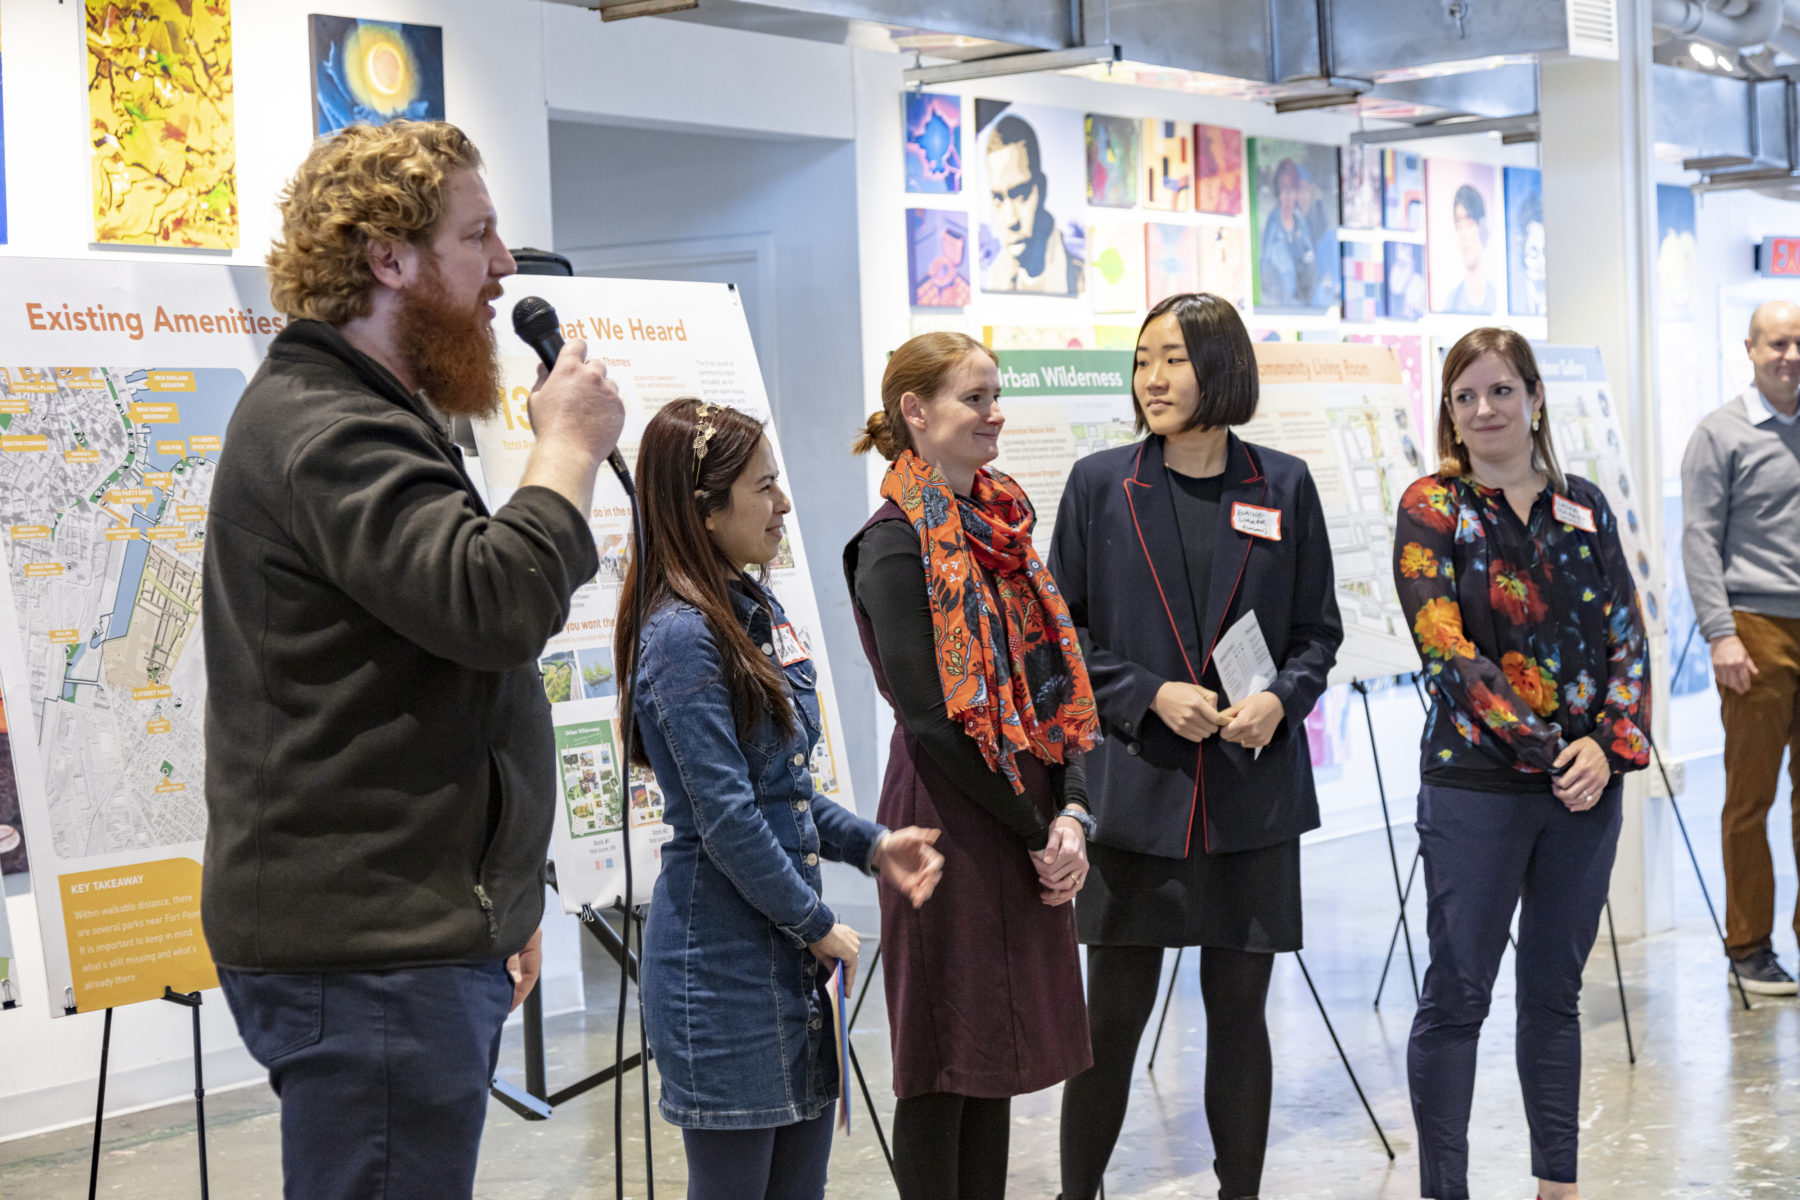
x=1014, y=64
x=1703, y=54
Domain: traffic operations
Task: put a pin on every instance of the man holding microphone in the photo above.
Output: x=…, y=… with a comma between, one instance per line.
x=1740, y=494
x=380, y=766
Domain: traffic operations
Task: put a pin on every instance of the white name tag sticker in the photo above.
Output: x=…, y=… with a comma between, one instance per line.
x=1256, y=521
x=1567, y=512
x=788, y=649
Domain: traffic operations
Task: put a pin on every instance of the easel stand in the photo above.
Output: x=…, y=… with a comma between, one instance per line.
x=856, y=1064
x=1387, y=826
x=1323, y=1016
x=189, y=1000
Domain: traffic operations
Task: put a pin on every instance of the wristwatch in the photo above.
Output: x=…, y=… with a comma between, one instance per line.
x=1082, y=818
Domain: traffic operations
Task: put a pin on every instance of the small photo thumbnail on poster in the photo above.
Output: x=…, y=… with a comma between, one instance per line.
x=590, y=784
x=646, y=798
x=598, y=679
x=615, y=549
x=784, y=555
x=558, y=673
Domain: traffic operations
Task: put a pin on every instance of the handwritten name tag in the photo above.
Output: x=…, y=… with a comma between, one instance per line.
x=788, y=649
x=1568, y=512
x=1256, y=521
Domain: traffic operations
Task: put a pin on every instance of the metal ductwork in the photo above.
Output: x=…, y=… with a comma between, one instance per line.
x=1734, y=24
x=1736, y=133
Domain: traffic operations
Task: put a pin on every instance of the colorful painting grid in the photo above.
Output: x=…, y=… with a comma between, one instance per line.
x=937, y=258
x=1219, y=161
x=1112, y=160
x=373, y=72
x=933, y=134
x=1365, y=268
x=1168, y=166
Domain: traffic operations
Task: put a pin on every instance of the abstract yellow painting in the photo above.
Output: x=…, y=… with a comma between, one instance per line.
x=160, y=123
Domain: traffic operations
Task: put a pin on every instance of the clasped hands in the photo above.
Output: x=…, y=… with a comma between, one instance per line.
x=1585, y=774
x=1193, y=712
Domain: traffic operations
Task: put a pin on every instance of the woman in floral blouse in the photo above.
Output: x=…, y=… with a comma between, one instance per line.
x=1523, y=608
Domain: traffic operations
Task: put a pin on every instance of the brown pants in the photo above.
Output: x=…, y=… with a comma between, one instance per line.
x=1759, y=725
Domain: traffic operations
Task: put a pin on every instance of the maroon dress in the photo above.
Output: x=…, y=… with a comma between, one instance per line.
x=983, y=983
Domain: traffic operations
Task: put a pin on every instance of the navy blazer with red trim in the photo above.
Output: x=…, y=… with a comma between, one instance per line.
x=1117, y=557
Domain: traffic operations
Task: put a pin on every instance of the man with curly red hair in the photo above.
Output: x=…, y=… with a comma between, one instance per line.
x=380, y=766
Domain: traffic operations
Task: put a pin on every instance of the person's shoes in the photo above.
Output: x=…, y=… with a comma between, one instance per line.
x=1761, y=973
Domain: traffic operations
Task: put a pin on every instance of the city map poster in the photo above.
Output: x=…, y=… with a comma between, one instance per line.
x=660, y=342
x=160, y=104
x=117, y=383
x=1344, y=409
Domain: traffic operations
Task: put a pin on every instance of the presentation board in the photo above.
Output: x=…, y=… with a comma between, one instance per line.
x=1343, y=408
x=660, y=342
x=1590, y=441
x=9, y=994
x=117, y=384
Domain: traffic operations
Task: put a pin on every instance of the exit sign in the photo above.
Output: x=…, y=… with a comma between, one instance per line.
x=1778, y=256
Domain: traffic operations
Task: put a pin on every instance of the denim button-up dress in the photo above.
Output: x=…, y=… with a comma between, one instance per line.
x=734, y=1003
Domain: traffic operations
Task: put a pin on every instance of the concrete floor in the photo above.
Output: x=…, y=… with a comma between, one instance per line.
x=1712, y=1108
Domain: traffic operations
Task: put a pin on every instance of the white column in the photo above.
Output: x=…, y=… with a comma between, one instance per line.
x=1600, y=222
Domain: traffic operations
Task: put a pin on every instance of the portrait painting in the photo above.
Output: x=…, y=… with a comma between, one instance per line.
x=1462, y=235
x=1030, y=175
x=1408, y=298
x=1525, y=264
x=1294, y=223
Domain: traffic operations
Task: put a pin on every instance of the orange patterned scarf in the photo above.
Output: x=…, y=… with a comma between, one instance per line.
x=1046, y=705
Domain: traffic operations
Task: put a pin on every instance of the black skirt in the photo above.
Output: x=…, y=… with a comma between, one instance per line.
x=1249, y=900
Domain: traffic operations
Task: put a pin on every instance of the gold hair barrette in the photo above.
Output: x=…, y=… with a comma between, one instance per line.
x=703, y=432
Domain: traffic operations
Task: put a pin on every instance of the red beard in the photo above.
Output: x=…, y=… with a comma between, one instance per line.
x=450, y=350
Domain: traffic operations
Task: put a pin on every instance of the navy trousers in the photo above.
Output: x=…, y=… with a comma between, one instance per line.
x=784, y=1163
x=383, y=1075
x=1485, y=852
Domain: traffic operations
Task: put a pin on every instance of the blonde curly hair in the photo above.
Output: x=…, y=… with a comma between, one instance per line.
x=363, y=184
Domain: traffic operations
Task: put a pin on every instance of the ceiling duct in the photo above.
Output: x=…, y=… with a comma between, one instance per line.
x=1736, y=133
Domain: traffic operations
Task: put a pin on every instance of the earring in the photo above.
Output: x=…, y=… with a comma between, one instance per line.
x=1536, y=418
x=1456, y=436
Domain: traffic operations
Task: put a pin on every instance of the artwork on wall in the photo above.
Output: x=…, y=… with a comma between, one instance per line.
x=1219, y=162
x=1116, y=267
x=1525, y=263
x=1365, y=267
x=1461, y=229
x=164, y=140
x=1224, y=254
x=1293, y=214
x=2, y=174
x=1407, y=296
x=933, y=137
x=1112, y=161
x=1677, y=253
x=1171, y=260
x=1360, y=169
x=937, y=258
x=1168, y=166
x=1402, y=191
x=1030, y=184
x=373, y=72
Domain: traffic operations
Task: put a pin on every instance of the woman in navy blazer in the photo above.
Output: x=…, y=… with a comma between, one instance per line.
x=1159, y=548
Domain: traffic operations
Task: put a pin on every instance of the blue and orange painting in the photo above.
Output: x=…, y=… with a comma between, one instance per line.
x=373, y=72
x=933, y=143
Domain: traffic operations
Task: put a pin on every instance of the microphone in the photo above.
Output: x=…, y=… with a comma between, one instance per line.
x=536, y=323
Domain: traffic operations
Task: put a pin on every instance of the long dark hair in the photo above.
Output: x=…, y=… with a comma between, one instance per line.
x=681, y=563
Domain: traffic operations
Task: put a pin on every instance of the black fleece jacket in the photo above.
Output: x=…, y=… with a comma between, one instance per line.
x=380, y=772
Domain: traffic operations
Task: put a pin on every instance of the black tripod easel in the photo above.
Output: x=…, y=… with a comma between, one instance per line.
x=188, y=1000
x=1387, y=826
x=856, y=1064
x=1323, y=1015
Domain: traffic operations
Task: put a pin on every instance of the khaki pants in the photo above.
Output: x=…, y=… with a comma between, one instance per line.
x=1759, y=726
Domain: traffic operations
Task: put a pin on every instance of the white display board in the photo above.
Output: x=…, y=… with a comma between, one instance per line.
x=1344, y=409
x=660, y=342
x=117, y=382
x=9, y=992
x=1590, y=441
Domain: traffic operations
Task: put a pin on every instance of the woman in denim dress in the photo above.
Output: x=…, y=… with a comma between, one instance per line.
x=740, y=946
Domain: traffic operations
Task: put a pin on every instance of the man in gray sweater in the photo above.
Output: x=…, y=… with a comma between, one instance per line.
x=1740, y=488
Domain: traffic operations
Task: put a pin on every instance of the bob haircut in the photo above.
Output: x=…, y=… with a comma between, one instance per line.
x=363, y=184
x=1221, y=353
x=680, y=562
x=1515, y=352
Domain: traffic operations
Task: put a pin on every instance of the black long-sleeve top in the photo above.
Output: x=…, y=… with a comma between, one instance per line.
x=888, y=584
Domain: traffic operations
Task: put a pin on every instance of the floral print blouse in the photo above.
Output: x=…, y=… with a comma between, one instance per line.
x=1530, y=632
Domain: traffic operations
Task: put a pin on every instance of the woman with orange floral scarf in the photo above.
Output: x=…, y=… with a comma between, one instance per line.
x=973, y=647
x=1524, y=611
